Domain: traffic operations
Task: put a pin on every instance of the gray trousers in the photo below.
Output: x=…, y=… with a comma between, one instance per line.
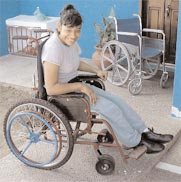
x=125, y=122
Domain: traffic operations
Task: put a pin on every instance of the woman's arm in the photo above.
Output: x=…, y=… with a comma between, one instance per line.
x=88, y=68
x=53, y=87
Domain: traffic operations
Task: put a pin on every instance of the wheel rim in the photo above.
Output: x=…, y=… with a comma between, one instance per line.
x=29, y=144
x=115, y=60
x=135, y=86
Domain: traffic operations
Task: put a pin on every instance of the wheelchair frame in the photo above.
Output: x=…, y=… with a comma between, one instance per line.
x=132, y=56
x=47, y=123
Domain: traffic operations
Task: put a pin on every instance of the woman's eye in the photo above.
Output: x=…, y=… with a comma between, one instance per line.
x=77, y=31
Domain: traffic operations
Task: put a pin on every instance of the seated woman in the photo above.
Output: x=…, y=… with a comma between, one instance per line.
x=61, y=63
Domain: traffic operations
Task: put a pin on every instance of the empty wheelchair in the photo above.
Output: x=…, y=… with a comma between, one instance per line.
x=41, y=132
x=132, y=56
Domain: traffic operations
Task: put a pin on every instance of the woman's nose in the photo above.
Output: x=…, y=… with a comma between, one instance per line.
x=73, y=34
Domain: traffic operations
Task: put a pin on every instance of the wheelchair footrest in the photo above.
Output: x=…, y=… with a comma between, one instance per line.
x=137, y=152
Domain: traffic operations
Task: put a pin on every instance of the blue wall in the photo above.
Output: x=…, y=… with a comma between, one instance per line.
x=91, y=11
x=177, y=78
x=8, y=9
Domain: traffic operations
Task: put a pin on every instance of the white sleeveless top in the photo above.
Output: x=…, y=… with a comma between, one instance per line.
x=66, y=57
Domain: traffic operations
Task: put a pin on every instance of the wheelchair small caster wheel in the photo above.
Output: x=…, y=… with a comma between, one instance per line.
x=163, y=79
x=105, y=165
x=135, y=86
x=107, y=138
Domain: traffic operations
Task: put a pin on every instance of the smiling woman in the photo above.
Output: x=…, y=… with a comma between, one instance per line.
x=69, y=26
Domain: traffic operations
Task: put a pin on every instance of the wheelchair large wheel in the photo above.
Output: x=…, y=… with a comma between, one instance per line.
x=38, y=134
x=115, y=59
x=149, y=68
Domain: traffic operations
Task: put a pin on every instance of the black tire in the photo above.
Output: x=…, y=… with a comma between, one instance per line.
x=45, y=108
x=105, y=164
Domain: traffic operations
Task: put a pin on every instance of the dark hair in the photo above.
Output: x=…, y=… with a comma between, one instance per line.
x=70, y=16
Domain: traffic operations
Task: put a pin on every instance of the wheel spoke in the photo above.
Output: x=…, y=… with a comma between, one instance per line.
x=25, y=124
x=120, y=77
x=121, y=59
x=122, y=68
x=26, y=148
x=107, y=59
x=111, y=53
x=48, y=141
x=108, y=67
x=114, y=71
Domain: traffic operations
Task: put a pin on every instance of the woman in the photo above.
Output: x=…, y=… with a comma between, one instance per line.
x=61, y=63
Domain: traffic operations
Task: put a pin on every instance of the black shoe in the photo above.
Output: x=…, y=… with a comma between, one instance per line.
x=152, y=147
x=155, y=137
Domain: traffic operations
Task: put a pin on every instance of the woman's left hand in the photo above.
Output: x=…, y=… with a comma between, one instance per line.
x=102, y=74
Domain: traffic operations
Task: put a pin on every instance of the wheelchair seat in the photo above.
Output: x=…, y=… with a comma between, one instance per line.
x=148, y=52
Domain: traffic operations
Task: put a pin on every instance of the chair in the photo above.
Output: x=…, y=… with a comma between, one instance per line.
x=133, y=56
x=41, y=132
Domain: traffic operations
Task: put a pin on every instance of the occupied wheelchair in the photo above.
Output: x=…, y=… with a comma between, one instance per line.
x=41, y=132
x=133, y=56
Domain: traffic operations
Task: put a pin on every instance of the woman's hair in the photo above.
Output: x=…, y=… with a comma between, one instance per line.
x=70, y=16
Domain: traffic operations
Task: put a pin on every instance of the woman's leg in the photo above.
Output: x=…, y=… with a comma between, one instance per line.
x=125, y=133
x=131, y=116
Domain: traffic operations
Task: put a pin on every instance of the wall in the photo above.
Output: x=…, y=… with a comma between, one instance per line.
x=91, y=10
x=8, y=9
x=176, y=108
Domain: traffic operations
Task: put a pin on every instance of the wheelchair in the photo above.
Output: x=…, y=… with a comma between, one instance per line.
x=41, y=132
x=132, y=56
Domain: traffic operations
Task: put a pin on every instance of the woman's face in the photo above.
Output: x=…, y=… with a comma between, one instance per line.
x=69, y=35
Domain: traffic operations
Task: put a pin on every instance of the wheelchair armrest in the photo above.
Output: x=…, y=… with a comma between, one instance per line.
x=72, y=95
x=92, y=80
x=153, y=31
x=128, y=33
x=85, y=77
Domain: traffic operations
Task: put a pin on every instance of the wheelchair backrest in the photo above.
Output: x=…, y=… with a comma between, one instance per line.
x=41, y=89
x=131, y=25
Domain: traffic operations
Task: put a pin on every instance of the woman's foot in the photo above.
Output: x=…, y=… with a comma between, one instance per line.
x=152, y=147
x=156, y=137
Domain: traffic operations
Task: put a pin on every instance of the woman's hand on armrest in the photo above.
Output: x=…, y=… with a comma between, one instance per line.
x=89, y=68
x=102, y=74
x=89, y=92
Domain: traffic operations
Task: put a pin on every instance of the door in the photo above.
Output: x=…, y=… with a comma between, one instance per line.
x=162, y=14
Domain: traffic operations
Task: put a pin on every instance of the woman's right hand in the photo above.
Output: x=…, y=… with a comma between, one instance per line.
x=89, y=92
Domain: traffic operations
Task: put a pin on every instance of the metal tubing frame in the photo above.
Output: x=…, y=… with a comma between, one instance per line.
x=88, y=130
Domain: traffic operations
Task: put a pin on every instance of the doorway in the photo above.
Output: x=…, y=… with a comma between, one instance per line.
x=163, y=14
